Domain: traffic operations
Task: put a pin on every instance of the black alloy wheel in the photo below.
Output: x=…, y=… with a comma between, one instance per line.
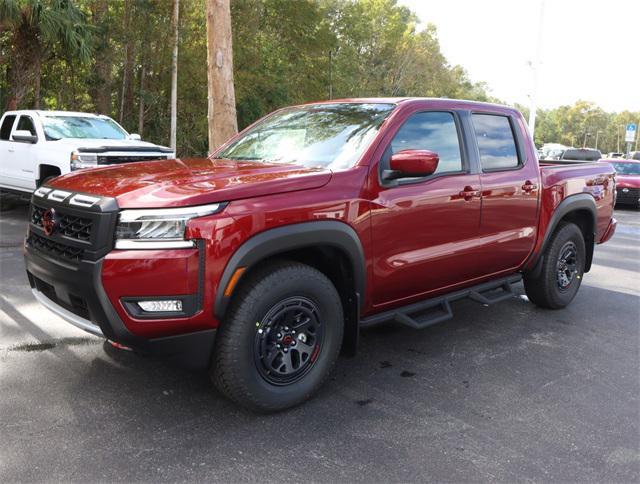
x=567, y=265
x=288, y=340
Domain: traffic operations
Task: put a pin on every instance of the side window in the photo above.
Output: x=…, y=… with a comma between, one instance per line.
x=433, y=131
x=7, y=124
x=495, y=141
x=26, y=123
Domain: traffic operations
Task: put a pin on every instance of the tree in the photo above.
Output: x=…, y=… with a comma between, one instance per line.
x=221, y=98
x=174, y=74
x=37, y=26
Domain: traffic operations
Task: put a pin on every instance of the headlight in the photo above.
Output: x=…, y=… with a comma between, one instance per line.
x=159, y=228
x=83, y=160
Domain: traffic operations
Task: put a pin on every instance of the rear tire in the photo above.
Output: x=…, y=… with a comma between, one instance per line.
x=280, y=339
x=558, y=281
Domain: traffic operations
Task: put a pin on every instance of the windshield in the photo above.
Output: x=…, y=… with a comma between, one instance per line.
x=58, y=127
x=627, y=168
x=330, y=136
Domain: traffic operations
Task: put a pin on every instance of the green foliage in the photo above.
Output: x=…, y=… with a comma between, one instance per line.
x=580, y=124
x=114, y=56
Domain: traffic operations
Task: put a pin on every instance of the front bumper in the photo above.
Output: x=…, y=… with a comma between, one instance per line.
x=628, y=196
x=75, y=293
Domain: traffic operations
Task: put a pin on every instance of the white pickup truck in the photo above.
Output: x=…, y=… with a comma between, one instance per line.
x=38, y=145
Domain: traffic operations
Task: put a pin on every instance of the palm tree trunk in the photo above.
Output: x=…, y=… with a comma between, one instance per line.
x=37, y=84
x=102, y=92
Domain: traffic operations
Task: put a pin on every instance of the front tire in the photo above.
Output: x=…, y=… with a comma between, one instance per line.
x=558, y=281
x=280, y=339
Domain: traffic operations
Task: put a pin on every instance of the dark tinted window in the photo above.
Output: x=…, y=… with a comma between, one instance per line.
x=495, y=141
x=434, y=132
x=26, y=123
x=636, y=156
x=7, y=124
x=582, y=155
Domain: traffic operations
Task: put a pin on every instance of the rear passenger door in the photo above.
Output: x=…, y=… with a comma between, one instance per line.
x=510, y=190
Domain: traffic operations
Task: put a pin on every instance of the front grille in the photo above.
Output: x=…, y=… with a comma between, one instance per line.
x=68, y=225
x=55, y=249
x=631, y=196
x=78, y=305
x=79, y=233
x=108, y=160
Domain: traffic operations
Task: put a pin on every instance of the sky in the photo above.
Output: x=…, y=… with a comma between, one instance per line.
x=590, y=48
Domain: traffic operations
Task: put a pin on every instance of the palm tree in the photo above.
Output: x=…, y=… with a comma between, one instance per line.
x=37, y=26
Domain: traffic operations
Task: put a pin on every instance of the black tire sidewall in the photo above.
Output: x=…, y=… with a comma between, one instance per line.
x=567, y=233
x=240, y=328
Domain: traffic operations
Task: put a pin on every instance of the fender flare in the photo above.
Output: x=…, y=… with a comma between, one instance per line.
x=573, y=203
x=295, y=236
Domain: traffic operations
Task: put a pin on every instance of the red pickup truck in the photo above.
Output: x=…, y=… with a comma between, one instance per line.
x=266, y=259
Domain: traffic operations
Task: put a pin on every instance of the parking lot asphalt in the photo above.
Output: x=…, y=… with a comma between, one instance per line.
x=503, y=393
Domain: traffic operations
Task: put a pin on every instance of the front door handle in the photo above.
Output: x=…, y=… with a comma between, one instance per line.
x=528, y=186
x=11, y=151
x=469, y=192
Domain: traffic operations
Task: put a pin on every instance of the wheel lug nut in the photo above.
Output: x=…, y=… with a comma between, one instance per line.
x=286, y=350
x=286, y=328
x=279, y=335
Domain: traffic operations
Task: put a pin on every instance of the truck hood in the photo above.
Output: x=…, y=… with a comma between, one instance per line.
x=103, y=145
x=174, y=183
x=627, y=181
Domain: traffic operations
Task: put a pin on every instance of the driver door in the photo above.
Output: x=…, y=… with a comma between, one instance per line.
x=24, y=155
x=425, y=230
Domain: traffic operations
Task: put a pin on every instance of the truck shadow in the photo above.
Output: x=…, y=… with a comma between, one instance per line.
x=453, y=377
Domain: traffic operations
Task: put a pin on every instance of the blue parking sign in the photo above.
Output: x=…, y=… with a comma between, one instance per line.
x=630, y=133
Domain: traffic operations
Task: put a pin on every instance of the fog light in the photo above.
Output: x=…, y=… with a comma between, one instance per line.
x=165, y=306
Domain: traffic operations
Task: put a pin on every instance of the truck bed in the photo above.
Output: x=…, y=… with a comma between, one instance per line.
x=561, y=179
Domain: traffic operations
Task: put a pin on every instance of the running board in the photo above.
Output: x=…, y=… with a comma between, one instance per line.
x=432, y=311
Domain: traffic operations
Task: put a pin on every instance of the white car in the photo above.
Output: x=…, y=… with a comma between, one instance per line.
x=36, y=146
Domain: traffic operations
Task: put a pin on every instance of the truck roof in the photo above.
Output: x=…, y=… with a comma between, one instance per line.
x=40, y=112
x=406, y=100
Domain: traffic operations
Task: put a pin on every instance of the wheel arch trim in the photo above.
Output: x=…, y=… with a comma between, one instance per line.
x=579, y=202
x=291, y=237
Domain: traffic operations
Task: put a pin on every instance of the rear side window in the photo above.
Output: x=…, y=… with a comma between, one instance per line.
x=26, y=123
x=496, y=142
x=7, y=124
x=433, y=131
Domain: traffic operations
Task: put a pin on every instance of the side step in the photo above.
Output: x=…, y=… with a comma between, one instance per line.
x=426, y=313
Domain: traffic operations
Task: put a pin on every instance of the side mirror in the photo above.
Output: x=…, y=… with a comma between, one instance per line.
x=24, y=136
x=412, y=164
x=135, y=137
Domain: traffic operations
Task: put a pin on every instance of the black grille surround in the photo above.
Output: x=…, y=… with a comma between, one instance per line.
x=117, y=159
x=628, y=197
x=81, y=233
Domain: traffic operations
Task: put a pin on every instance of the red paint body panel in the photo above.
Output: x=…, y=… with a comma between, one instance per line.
x=419, y=239
x=198, y=181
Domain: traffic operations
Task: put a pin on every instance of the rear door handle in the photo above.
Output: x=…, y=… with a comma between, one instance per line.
x=468, y=193
x=529, y=187
x=11, y=151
